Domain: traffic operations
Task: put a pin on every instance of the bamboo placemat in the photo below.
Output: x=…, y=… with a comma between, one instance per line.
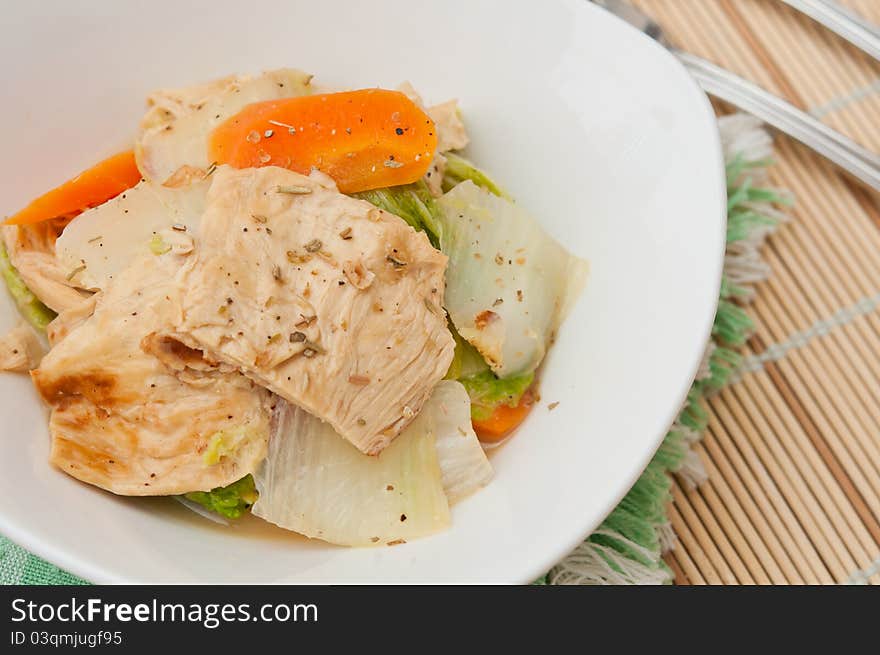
x=793, y=447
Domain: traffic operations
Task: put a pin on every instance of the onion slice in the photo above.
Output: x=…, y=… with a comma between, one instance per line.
x=316, y=483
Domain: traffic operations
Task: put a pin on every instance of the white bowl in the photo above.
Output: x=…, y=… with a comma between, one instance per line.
x=592, y=126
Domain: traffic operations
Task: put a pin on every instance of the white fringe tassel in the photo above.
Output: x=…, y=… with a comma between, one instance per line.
x=692, y=472
x=667, y=537
x=743, y=135
x=704, y=371
x=595, y=564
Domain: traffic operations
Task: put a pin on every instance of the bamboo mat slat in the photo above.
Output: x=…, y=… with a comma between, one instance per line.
x=793, y=445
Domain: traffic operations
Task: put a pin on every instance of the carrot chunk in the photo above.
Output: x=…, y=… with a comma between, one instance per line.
x=105, y=180
x=366, y=139
x=503, y=420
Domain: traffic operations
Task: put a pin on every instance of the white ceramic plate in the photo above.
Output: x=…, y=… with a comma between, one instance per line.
x=592, y=126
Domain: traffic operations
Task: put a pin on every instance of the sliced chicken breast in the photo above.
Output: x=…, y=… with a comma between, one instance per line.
x=70, y=319
x=31, y=250
x=325, y=300
x=122, y=420
x=20, y=349
x=450, y=128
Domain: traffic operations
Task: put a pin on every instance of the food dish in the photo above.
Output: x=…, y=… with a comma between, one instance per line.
x=295, y=300
x=501, y=458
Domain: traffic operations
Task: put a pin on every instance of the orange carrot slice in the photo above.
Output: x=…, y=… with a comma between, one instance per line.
x=364, y=139
x=105, y=180
x=503, y=421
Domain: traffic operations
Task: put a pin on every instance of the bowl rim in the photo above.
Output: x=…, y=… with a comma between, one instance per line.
x=544, y=564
